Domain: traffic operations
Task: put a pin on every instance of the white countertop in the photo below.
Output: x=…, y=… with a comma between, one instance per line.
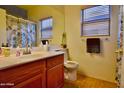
x=6, y=62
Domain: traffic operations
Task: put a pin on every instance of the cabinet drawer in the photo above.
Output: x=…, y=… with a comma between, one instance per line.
x=18, y=74
x=53, y=61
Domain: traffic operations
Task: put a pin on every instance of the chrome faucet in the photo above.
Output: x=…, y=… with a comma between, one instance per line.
x=27, y=50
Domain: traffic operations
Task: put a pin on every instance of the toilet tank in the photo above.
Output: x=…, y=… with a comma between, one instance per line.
x=59, y=48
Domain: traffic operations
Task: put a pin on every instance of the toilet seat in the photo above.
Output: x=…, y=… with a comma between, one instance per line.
x=71, y=65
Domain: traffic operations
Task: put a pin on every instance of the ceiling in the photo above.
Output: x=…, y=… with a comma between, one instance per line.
x=28, y=7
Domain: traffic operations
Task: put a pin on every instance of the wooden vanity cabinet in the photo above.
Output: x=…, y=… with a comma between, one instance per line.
x=44, y=73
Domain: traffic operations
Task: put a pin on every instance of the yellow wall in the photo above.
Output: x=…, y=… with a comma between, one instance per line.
x=101, y=66
x=2, y=26
x=39, y=12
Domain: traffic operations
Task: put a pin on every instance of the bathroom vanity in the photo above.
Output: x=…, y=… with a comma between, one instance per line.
x=38, y=70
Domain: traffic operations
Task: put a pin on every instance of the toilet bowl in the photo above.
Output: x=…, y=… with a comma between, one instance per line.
x=70, y=70
x=71, y=65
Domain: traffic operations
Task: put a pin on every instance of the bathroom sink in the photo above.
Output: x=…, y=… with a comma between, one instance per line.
x=30, y=56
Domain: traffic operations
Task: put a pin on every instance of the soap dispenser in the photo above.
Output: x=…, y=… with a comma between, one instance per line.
x=45, y=46
x=18, y=52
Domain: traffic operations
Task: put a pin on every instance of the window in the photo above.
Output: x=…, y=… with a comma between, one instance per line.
x=20, y=33
x=46, y=28
x=95, y=21
x=31, y=34
x=28, y=34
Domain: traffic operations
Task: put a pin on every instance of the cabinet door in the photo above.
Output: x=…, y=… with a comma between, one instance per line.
x=37, y=81
x=55, y=76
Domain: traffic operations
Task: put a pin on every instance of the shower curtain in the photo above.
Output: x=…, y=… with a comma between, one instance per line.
x=119, y=51
x=13, y=31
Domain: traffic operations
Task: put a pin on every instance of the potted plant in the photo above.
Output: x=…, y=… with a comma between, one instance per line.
x=64, y=45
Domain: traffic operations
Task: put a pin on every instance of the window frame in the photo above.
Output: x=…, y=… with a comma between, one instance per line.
x=41, y=27
x=82, y=21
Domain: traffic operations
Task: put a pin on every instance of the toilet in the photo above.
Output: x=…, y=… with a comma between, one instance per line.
x=70, y=70
x=70, y=67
